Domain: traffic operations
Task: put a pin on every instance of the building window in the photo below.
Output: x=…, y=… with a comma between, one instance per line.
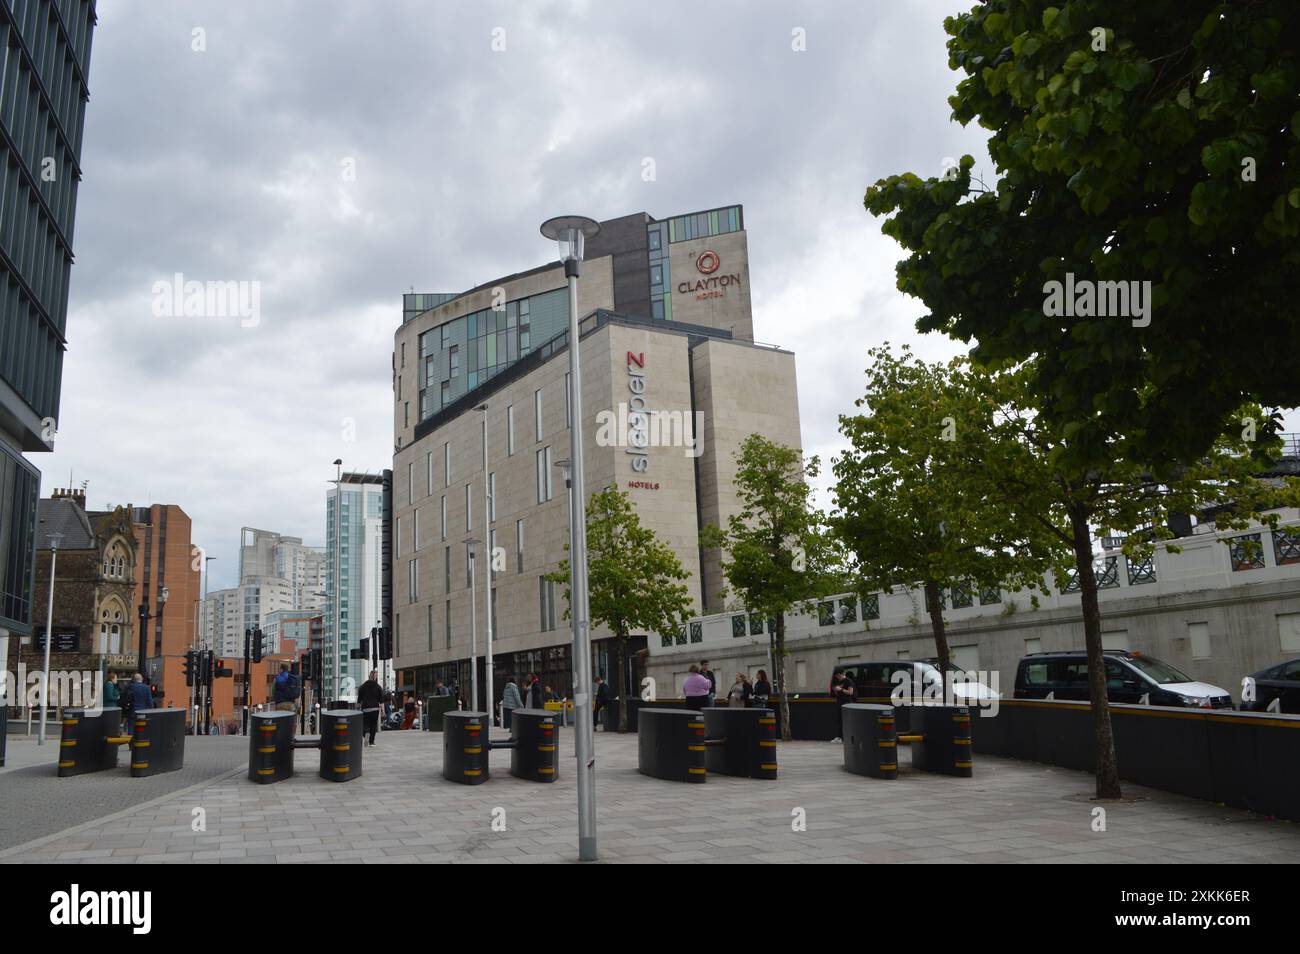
x=442, y=335
x=410, y=482
x=454, y=356
x=537, y=414
x=446, y=464
x=444, y=394
x=492, y=496
x=413, y=579
x=430, y=627
x=469, y=507
x=546, y=603
x=492, y=554
x=519, y=546
x=447, y=626
x=510, y=430
x=428, y=476
x=444, y=516
x=397, y=537
x=545, y=488
x=415, y=531
x=446, y=571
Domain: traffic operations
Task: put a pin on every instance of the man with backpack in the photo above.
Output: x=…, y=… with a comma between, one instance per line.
x=286, y=690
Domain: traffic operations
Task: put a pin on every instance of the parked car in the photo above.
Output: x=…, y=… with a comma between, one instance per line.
x=875, y=681
x=1281, y=683
x=1129, y=677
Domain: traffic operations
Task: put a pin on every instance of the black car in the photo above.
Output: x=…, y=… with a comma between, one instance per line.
x=1129, y=677
x=1280, y=683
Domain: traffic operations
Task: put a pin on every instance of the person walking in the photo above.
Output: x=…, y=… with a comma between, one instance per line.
x=110, y=694
x=696, y=688
x=602, y=700
x=370, y=697
x=762, y=690
x=535, y=693
x=141, y=697
x=284, y=692
x=510, y=701
x=738, y=695
x=842, y=691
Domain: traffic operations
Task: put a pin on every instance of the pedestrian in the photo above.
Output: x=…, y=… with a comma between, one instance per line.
x=370, y=698
x=696, y=688
x=535, y=693
x=738, y=695
x=762, y=690
x=141, y=697
x=285, y=690
x=412, y=711
x=110, y=694
x=510, y=701
x=440, y=690
x=707, y=673
x=602, y=700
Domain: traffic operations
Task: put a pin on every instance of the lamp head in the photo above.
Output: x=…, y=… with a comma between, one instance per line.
x=570, y=232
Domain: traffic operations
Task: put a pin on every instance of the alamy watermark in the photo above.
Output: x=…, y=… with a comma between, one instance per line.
x=1086, y=298
x=179, y=298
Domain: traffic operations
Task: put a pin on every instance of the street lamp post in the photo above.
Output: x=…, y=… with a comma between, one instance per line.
x=487, y=585
x=470, y=543
x=55, y=538
x=571, y=232
x=338, y=577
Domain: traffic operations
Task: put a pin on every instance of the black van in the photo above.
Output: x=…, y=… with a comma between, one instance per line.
x=1129, y=677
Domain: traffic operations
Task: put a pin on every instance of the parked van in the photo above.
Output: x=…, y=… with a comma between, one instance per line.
x=1129, y=677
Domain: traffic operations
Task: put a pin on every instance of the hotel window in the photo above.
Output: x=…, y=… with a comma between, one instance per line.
x=413, y=579
x=469, y=507
x=519, y=546
x=445, y=394
x=428, y=475
x=545, y=489
x=442, y=343
x=415, y=531
x=524, y=338
x=492, y=496
x=446, y=464
x=454, y=357
x=546, y=603
x=568, y=409
x=446, y=570
x=510, y=430
x=410, y=482
x=444, y=516
x=537, y=414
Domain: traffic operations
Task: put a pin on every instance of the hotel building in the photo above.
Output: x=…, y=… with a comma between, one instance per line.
x=666, y=331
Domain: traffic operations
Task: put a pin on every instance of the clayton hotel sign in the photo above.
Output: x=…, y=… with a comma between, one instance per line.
x=709, y=285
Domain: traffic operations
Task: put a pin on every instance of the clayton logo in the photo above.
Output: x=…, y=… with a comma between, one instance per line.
x=76, y=907
x=707, y=263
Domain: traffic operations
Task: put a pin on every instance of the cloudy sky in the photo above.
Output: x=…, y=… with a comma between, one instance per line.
x=229, y=163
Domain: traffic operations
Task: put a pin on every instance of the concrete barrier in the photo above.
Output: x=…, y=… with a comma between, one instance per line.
x=740, y=742
x=670, y=744
x=1248, y=760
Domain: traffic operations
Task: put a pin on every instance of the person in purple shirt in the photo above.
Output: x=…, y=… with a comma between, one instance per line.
x=696, y=688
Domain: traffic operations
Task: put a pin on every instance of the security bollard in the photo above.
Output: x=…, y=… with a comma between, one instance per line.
x=670, y=744
x=740, y=742
x=870, y=740
x=90, y=741
x=946, y=740
x=465, y=746
x=158, y=742
x=536, y=752
x=270, y=746
x=340, y=744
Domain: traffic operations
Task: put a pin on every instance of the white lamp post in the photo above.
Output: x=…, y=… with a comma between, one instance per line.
x=55, y=538
x=487, y=586
x=571, y=232
x=470, y=544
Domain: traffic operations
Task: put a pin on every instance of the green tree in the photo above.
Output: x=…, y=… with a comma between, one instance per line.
x=1027, y=469
x=909, y=507
x=778, y=553
x=1132, y=142
x=633, y=581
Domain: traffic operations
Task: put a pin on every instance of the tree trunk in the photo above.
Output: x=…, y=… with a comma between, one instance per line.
x=620, y=665
x=1107, y=769
x=934, y=604
x=778, y=671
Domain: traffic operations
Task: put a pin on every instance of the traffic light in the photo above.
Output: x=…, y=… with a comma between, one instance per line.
x=306, y=665
x=220, y=670
x=317, y=665
x=205, y=667
x=190, y=667
x=385, y=642
x=156, y=692
x=259, y=644
x=362, y=651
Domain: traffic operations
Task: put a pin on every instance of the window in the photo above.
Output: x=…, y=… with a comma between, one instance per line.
x=415, y=531
x=537, y=414
x=446, y=464
x=546, y=603
x=446, y=571
x=519, y=546
x=403, y=356
x=430, y=627
x=545, y=487
x=447, y=626
x=442, y=332
x=397, y=537
x=492, y=554
x=469, y=507
x=492, y=496
x=406, y=414
x=444, y=516
x=413, y=580
x=445, y=393
x=428, y=477
x=454, y=357
x=510, y=430
x=410, y=482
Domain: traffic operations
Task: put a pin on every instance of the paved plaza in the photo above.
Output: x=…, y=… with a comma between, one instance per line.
x=401, y=810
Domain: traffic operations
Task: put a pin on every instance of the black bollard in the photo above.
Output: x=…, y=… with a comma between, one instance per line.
x=465, y=747
x=670, y=744
x=340, y=744
x=270, y=746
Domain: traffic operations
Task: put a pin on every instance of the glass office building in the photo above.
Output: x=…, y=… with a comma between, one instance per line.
x=43, y=92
